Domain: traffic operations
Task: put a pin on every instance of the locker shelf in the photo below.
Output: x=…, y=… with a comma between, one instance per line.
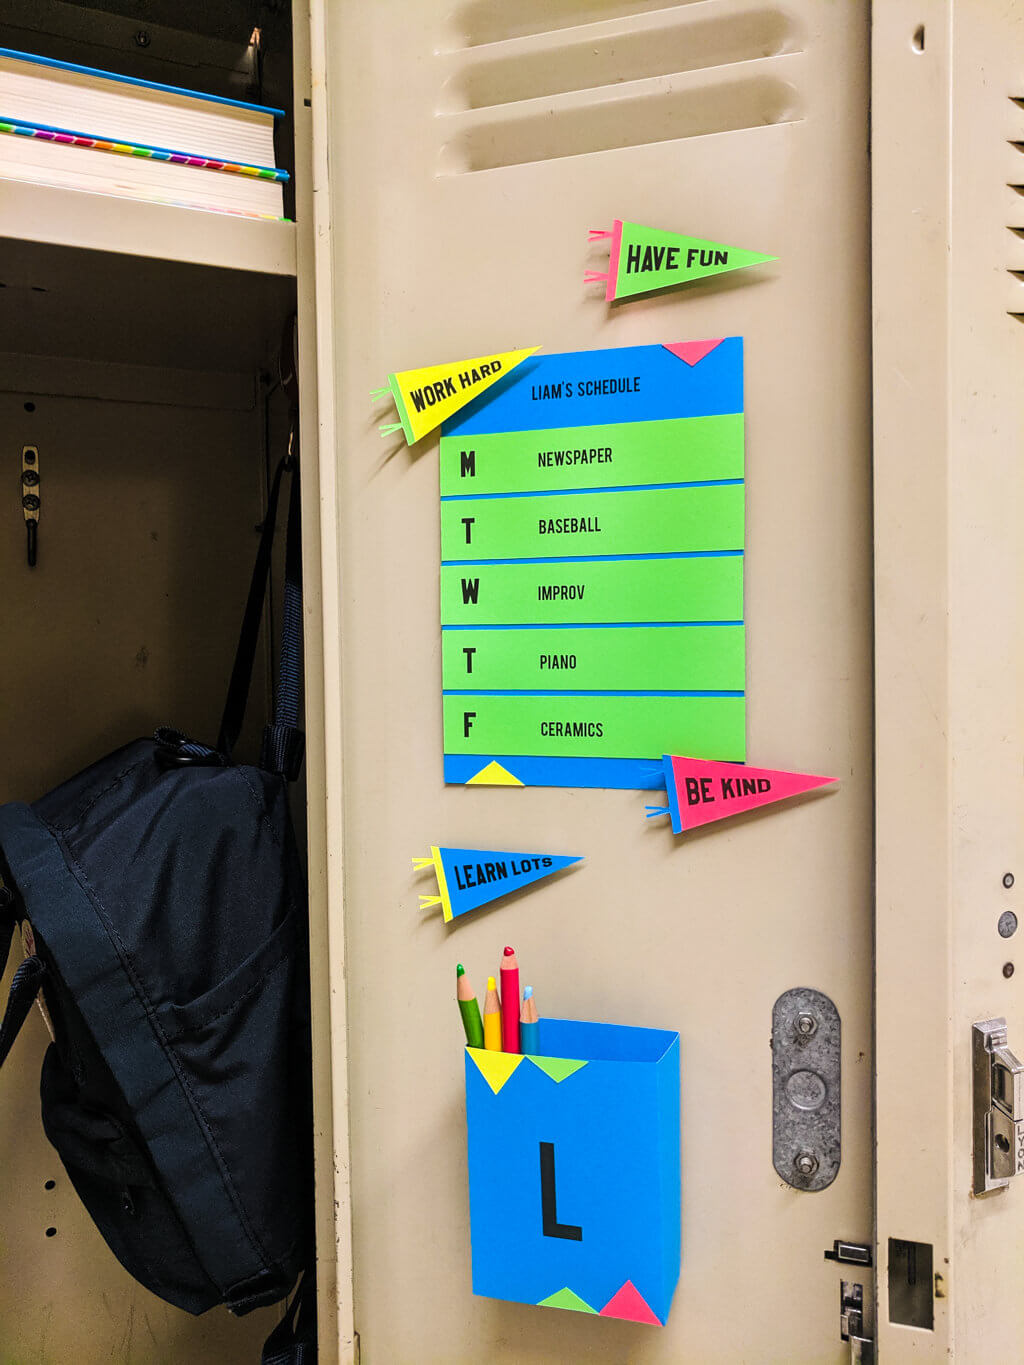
x=100, y=222
x=72, y=301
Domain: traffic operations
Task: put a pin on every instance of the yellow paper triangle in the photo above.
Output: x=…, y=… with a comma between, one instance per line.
x=495, y=1067
x=426, y=397
x=494, y=775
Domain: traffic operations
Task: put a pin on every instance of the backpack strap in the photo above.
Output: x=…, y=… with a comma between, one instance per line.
x=24, y=989
x=293, y=1340
x=27, y=979
x=8, y=921
x=283, y=741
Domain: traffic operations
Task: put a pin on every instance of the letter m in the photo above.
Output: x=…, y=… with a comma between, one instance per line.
x=470, y=591
x=468, y=463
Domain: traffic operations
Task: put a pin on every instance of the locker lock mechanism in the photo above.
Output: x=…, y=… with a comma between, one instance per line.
x=806, y=1135
x=30, y=499
x=998, y=1108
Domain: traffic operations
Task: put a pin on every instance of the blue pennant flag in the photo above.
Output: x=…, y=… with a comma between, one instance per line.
x=470, y=877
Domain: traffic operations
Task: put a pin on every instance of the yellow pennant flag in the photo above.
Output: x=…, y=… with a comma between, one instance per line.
x=426, y=397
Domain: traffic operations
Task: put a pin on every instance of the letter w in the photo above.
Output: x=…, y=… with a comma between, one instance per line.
x=470, y=591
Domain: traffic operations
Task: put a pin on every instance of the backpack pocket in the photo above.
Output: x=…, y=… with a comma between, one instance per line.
x=242, y=1051
x=114, y=1178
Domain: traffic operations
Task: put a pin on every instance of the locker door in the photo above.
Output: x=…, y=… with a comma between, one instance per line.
x=465, y=150
x=949, y=428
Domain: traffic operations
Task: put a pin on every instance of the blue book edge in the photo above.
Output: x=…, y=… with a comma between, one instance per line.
x=135, y=80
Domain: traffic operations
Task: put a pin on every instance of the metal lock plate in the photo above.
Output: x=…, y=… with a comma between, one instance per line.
x=998, y=1108
x=806, y=1143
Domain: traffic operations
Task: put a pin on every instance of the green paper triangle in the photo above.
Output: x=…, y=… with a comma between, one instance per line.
x=495, y=1067
x=650, y=258
x=565, y=1298
x=557, y=1067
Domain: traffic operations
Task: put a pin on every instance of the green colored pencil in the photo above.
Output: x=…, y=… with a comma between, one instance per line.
x=468, y=1008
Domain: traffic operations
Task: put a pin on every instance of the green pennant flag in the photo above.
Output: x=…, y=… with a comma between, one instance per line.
x=644, y=258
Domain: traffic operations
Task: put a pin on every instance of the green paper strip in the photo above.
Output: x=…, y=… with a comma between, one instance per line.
x=678, y=450
x=603, y=590
x=639, y=521
x=600, y=727
x=631, y=658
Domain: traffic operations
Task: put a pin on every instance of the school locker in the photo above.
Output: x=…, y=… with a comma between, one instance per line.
x=140, y=359
x=471, y=148
x=449, y=163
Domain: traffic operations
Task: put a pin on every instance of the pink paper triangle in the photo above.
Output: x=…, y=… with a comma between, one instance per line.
x=629, y=1303
x=706, y=791
x=692, y=351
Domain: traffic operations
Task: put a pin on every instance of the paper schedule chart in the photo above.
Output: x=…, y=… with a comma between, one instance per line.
x=592, y=536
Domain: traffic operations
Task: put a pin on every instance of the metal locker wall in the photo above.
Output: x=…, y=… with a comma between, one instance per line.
x=464, y=152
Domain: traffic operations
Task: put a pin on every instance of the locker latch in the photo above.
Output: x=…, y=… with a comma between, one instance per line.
x=998, y=1108
x=851, y=1322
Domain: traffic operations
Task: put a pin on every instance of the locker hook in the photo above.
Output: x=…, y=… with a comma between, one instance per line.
x=30, y=499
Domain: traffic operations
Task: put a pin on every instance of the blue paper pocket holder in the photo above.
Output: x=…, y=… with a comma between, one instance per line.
x=574, y=1180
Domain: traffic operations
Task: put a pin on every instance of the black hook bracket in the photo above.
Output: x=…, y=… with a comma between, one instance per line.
x=30, y=499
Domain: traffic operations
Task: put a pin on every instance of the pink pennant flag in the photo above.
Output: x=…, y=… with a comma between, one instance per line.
x=700, y=792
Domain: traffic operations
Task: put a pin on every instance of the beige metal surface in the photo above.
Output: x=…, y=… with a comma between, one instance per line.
x=99, y=222
x=949, y=429
x=458, y=226
x=323, y=743
x=146, y=540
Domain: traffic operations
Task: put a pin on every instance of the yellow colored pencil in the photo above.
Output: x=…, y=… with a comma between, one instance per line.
x=492, y=1017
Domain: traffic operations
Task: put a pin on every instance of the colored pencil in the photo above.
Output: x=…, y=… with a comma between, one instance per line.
x=509, y=1002
x=492, y=1018
x=529, y=1025
x=468, y=1008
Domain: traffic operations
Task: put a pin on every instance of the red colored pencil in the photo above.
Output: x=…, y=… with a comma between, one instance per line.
x=509, y=1002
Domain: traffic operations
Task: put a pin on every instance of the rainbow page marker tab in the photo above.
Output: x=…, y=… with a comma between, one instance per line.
x=700, y=792
x=468, y=878
x=644, y=258
x=426, y=397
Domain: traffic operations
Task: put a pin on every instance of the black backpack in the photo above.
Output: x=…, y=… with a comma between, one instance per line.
x=163, y=907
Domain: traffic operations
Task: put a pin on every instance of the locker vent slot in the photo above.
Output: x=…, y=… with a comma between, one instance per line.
x=1018, y=188
x=563, y=78
x=494, y=21
x=547, y=133
x=588, y=63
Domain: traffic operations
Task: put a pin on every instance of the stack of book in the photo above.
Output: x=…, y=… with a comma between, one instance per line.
x=85, y=129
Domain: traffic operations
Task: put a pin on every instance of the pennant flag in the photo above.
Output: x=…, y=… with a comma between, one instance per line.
x=426, y=397
x=700, y=792
x=470, y=877
x=644, y=258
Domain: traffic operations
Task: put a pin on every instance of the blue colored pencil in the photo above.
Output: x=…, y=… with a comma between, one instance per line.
x=529, y=1025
